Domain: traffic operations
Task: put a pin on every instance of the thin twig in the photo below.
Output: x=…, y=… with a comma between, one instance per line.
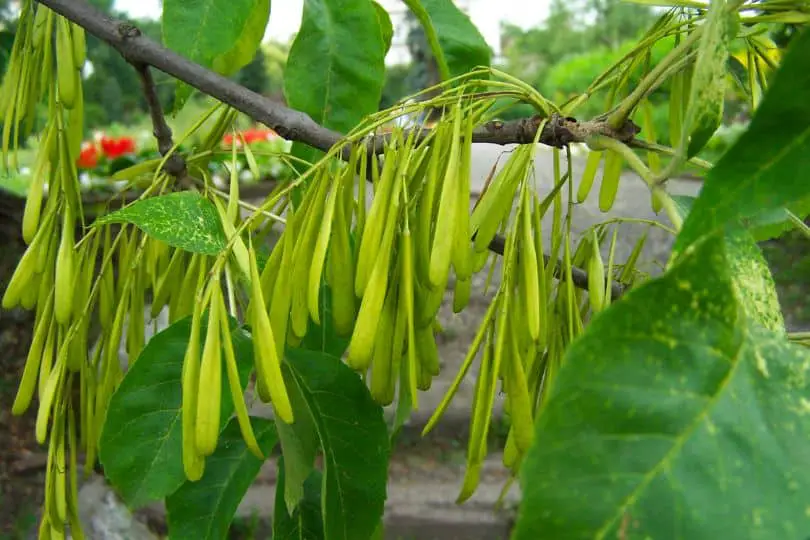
x=175, y=165
x=578, y=275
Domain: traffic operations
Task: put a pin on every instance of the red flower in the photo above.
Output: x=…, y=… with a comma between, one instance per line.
x=127, y=145
x=88, y=157
x=253, y=135
x=227, y=140
x=114, y=148
x=250, y=136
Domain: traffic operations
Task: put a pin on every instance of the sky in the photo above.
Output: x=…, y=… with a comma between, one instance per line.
x=285, y=15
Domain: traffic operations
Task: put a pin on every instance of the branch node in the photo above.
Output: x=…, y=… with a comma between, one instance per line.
x=128, y=30
x=559, y=131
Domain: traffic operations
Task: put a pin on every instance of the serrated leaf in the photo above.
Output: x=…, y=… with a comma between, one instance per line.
x=456, y=43
x=386, y=28
x=353, y=438
x=766, y=168
x=707, y=93
x=336, y=66
x=680, y=422
x=141, y=445
x=305, y=522
x=750, y=275
x=204, y=509
x=184, y=220
x=219, y=34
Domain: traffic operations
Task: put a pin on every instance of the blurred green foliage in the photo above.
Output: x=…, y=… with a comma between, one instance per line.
x=573, y=27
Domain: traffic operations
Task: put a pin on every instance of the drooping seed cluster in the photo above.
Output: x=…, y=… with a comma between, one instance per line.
x=386, y=268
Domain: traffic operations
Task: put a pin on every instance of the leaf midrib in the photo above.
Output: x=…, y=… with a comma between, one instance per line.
x=237, y=463
x=327, y=453
x=680, y=441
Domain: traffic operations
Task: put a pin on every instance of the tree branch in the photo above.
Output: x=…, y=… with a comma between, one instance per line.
x=559, y=131
x=175, y=165
x=578, y=275
x=288, y=123
x=139, y=49
x=141, y=52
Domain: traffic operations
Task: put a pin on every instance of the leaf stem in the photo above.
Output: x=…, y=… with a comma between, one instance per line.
x=799, y=224
x=622, y=113
x=598, y=142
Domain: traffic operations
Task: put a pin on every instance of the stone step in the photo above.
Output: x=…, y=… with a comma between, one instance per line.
x=420, y=503
x=421, y=499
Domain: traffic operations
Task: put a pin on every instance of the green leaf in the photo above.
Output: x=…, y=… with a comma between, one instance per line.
x=775, y=223
x=299, y=445
x=305, y=522
x=353, y=438
x=708, y=89
x=336, y=66
x=750, y=275
x=386, y=27
x=185, y=220
x=753, y=282
x=683, y=204
x=141, y=445
x=456, y=43
x=299, y=441
x=204, y=509
x=765, y=169
x=248, y=42
x=219, y=34
x=681, y=422
x=323, y=338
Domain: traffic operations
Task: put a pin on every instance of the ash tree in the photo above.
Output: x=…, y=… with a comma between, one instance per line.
x=672, y=406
